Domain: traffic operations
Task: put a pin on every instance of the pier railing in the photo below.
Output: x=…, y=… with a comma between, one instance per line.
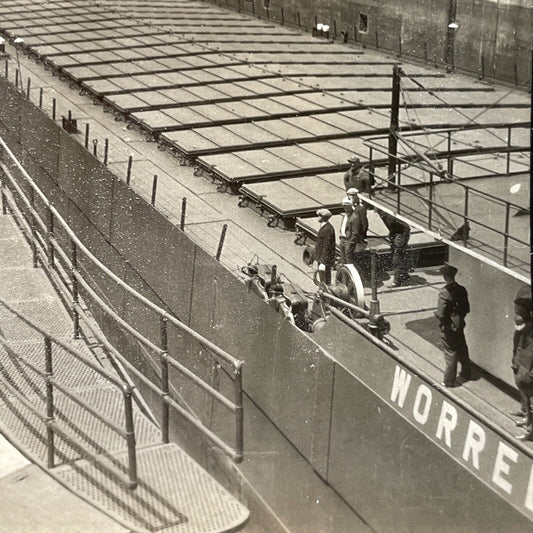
x=46, y=235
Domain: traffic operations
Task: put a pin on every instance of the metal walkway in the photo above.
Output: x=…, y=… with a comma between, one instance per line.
x=174, y=494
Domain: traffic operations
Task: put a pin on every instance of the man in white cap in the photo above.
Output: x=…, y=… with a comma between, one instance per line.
x=325, y=246
x=351, y=232
x=360, y=208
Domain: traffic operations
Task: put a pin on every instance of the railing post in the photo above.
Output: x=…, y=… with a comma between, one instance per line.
x=33, y=228
x=465, y=217
x=398, y=186
x=130, y=440
x=7, y=69
x=154, y=190
x=87, y=136
x=183, y=209
x=449, y=142
x=54, y=106
x=41, y=90
x=95, y=147
x=106, y=150
x=165, y=408
x=239, y=415
x=430, y=201
x=374, y=302
x=508, y=150
x=28, y=88
x=75, y=289
x=17, y=78
x=128, y=171
x=49, y=237
x=49, y=402
x=506, y=233
x=3, y=184
x=221, y=242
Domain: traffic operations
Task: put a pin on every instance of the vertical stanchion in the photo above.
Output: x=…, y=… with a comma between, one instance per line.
x=54, y=105
x=130, y=439
x=465, y=216
x=506, y=233
x=398, y=187
x=17, y=78
x=430, y=201
x=49, y=401
x=95, y=147
x=239, y=415
x=87, y=136
x=165, y=408
x=106, y=150
x=449, y=142
x=3, y=184
x=221, y=242
x=128, y=171
x=299, y=19
x=508, y=167
x=394, y=123
x=41, y=97
x=183, y=209
x=49, y=237
x=7, y=69
x=33, y=228
x=75, y=290
x=28, y=88
x=154, y=189
x=282, y=16
x=374, y=302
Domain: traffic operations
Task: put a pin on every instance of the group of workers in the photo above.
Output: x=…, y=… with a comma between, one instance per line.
x=354, y=227
x=452, y=308
x=452, y=305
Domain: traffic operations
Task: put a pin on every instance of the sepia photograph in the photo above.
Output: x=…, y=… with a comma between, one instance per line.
x=265, y=266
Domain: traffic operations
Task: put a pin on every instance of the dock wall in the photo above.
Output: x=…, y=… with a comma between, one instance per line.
x=371, y=428
x=492, y=40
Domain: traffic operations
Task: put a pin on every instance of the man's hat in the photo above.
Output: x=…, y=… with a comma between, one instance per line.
x=346, y=201
x=523, y=296
x=324, y=213
x=448, y=270
x=354, y=160
x=352, y=190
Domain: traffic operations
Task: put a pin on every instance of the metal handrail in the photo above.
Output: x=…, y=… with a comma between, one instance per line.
x=405, y=159
x=52, y=247
x=51, y=384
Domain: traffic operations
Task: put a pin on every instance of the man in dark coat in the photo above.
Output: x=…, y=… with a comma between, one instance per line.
x=325, y=246
x=399, y=233
x=357, y=177
x=452, y=308
x=351, y=235
x=360, y=208
x=523, y=357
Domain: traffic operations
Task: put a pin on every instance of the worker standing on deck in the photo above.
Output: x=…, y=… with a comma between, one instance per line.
x=399, y=233
x=358, y=177
x=452, y=308
x=325, y=246
x=360, y=208
x=351, y=237
x=523, y=357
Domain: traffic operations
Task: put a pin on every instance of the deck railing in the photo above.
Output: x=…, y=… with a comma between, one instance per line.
x=45, y=237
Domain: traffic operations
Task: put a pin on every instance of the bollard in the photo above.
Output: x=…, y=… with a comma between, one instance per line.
x=106, y=150
x=154, y=189
x=183, y=208
x=95, y=147
x=53, y=108
x=41, y=97
x=87, y=136
x=221, y=242
x=128, y=172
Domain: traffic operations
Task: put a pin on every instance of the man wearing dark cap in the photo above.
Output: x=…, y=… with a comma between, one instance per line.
x=357, y=177
x=325, y=246
x=523, y=357
x=452, y=308
x=399, y=233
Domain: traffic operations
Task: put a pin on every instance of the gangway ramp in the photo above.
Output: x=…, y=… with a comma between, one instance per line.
x=90, y=458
